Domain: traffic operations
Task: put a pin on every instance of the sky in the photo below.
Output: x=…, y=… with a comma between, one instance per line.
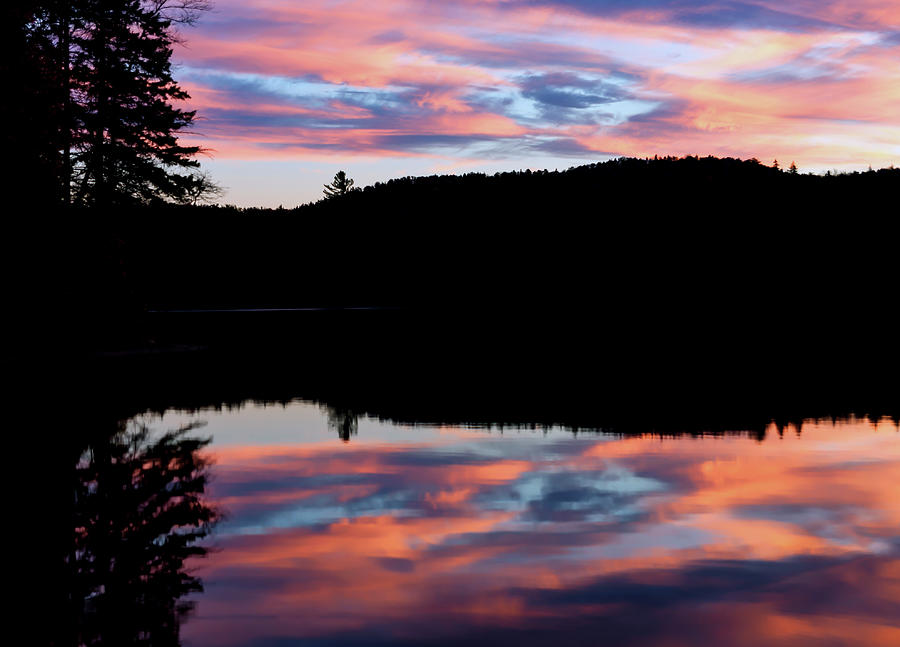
x=290, y=92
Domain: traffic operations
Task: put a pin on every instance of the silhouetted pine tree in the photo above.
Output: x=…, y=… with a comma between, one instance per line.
x=100, y=73
x=340, y=185
x=126, y=145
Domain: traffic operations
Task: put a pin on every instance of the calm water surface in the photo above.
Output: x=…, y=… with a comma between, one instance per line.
x=428, y=536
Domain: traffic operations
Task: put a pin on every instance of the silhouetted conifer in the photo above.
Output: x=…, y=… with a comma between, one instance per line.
x=126, y=149
x=340, y=185
x=100, y=72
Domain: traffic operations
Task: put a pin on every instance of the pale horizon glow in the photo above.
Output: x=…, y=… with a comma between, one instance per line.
x=289, y=93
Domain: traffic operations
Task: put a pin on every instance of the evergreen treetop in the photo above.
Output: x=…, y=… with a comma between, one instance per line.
x=340, y=185
x=115, y=113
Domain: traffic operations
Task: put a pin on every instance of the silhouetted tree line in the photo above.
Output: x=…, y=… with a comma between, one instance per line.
x=94, y=121
x=654, y=227
x=580, y=184
x=700, y=265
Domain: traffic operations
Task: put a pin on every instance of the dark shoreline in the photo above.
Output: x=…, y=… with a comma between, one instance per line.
x=423, y=367
x=658, y=294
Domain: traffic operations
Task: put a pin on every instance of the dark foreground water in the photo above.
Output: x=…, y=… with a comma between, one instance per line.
x=346, y=531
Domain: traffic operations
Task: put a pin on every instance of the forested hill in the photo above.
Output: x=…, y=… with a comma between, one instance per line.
x=632, y=239
x=674, y=184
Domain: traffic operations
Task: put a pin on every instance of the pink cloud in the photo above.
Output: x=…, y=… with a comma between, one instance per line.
x=407, y=78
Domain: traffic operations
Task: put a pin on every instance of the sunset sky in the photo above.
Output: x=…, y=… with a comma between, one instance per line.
x=290, y=92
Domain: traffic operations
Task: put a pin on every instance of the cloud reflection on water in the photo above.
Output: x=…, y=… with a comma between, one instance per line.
x=464, y=536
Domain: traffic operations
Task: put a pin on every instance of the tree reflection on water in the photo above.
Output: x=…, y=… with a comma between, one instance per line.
x=344, y=421
x=139, y=511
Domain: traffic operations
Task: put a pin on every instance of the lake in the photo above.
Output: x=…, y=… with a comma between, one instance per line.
x=342, y=529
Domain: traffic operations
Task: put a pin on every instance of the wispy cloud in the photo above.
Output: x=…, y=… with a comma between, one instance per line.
x=811, y=80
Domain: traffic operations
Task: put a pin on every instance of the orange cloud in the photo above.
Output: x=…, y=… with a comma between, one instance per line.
x=430, y=80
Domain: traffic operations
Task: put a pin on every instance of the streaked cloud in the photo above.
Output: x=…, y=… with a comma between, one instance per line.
x=330, y=81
